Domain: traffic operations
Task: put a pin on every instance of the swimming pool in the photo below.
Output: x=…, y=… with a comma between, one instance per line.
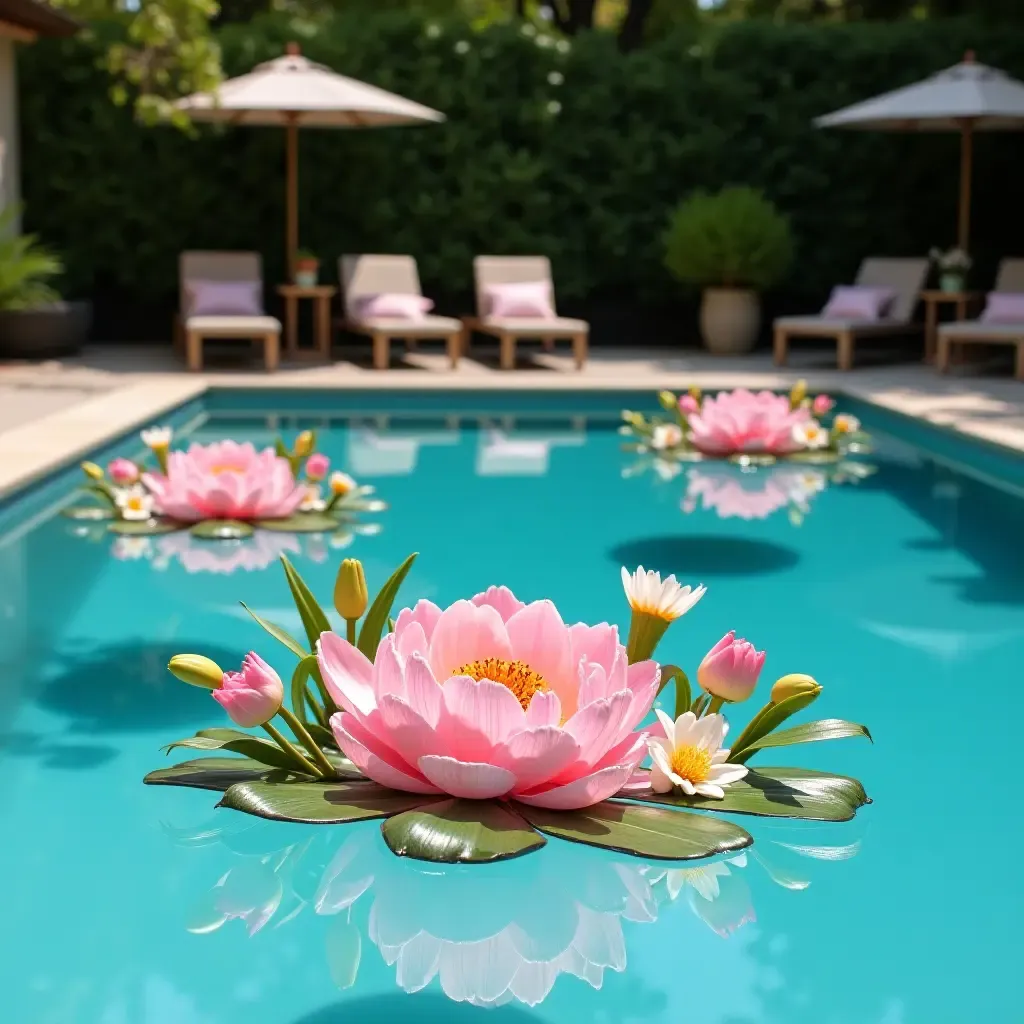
x=902, y=593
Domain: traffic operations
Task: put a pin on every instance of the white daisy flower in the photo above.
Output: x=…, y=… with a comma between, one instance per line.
x=667, y=469
x=312, y=502
x=690, y=756
x=131, y=548
x=666, y=435
x=157, y=437
x=668, y=600
x=341, y=483
x=134, y=503
x=810, y=434
x=555, y=78
x=844, y=423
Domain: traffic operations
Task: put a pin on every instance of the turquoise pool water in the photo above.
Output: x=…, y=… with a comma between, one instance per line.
x=903, y=594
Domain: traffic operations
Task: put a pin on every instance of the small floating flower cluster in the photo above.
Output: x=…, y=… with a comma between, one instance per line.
x=223, y=490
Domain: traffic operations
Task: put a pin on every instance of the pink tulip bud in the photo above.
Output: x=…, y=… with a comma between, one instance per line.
x=123, y=471
x=730, y=669
x=821, y=404
x=317, y=466
x=688, y=405
x=253, y=696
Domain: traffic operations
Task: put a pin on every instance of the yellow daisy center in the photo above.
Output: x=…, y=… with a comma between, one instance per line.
x=522, y=680
x=135, y=503
x=340, y=486
x=691, y=763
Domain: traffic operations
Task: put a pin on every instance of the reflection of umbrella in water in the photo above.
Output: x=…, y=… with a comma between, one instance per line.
x=292, y=92
x=966, y=98
x=502, y=454
x=391, y=454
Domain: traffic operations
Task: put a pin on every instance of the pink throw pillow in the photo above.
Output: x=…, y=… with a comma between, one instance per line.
x=1004, y=308
x=858, y=302
x=391, y=305
x=225, y=298
x=520, y=299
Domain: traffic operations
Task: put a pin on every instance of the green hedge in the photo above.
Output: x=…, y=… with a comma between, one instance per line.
x=590, y=184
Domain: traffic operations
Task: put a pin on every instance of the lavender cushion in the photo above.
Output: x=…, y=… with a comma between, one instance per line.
x=391, y=305
x=520, y=299
x=225, y=298
x=858, y=302
x=1004, y=308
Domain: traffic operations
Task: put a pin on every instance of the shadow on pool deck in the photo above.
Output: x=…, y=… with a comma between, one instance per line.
x=127, y=688
x=705, y=555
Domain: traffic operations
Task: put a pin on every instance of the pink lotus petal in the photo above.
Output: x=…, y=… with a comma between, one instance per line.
x=582, y=792
x=597, y=725
x=594, y=643
x=545, y=709
x=466, y=779
x=412, y=640
x=541, y=640
x=426, y=613
x=388, y=676
x=422, y=690
x=484, y=707
x=359, y=746
x=464, y=634
x=501, y=599
x=638, y=782
x=406, y=729
x=347, y=673
x=537, y=755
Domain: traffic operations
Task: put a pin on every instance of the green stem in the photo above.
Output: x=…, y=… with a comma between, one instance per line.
x=301, y=762
x=714, y=706
x=302, y=734
x=350, y=631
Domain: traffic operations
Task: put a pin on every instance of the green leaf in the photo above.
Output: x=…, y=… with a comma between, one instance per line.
x=322, y=735
x=282, y=449
x=391, y=625
x=313, y=618
x=91, y=513
x=770, y=717
x=252, y=747
x=319, y=802
x=301, y=522
x=279, y=634
x=460, y=831
x=821, y=457
x=145, y=527
x=216, y=773
x=221, y=529
x=811, y=732
x=299, y=692
x=778, y=793
x=380, y=610
x=700, y=702
x=683, y=701
x=644, y=831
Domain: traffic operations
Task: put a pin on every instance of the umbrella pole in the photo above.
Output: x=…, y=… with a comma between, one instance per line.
x=292, y=195
x=966, y=155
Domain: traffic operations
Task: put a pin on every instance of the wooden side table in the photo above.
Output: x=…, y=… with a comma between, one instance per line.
x=961, y=301
x=320, y=295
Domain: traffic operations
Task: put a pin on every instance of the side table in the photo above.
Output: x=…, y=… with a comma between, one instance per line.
x=320, y=296
x=932, y=299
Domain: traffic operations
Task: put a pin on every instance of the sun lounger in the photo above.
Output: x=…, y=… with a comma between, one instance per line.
x=906, y=277
x=1009, y=279
x=366, y=276
x=191, y=330
x=499, y=270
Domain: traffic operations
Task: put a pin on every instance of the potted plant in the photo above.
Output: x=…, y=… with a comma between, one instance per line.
x=953, y=269
x=733, y=244
x=34, y=322
x=307, y=268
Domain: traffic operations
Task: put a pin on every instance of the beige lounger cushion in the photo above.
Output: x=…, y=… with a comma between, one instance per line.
x=399, y=327
x=230, y=326
x=829, y=325
x=976, y=329
x=527, y=327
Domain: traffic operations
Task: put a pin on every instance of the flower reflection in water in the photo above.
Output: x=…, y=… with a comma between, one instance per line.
x=492, y=936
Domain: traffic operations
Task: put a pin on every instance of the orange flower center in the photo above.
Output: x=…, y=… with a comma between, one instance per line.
x=226, y=467
x=135, y=503
x=691, y=763
x=522, y=680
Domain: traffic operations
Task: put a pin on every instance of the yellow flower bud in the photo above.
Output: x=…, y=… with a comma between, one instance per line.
x=304, y=444
x=793, y=686
x=668, y=400
x=91, y=470
x=350, y=596
x=196, y=670
x=798, y=394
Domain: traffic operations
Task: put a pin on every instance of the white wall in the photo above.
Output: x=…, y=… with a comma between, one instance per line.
x=10, y=169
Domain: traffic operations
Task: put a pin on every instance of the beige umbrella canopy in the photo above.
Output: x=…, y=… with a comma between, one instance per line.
x=965, y=98
x=293, y=92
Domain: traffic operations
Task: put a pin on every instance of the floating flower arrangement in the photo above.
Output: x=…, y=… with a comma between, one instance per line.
x=223, y=491
x=747, y=428
x=479, y=730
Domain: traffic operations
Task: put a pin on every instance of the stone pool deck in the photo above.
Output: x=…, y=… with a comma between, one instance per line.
x=54, y=413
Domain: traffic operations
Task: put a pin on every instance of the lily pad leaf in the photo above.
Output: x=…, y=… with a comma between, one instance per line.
x=814, y=458
x=319, y=802
x=88, y=513
x=778, y=793
x=252, y=747
x=279, y=634
x=811, y=732
x=377, y=617
x=216, y=773
x=314, y=620
x=654, y=832
x=221, y=529
x=144, y=527
x=460, y=832
x=301, y=522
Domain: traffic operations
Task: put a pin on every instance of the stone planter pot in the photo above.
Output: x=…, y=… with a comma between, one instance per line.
x=59, y=329
x=306, y=273
x=951, y=283
x=730, y=320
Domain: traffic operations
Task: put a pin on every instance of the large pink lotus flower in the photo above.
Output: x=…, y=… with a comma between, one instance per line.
x=492, y=698
x=740, y=421
x=225, y=480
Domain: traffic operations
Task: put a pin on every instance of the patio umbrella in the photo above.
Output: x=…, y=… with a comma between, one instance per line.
x=966, y=98
x=292, y=92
